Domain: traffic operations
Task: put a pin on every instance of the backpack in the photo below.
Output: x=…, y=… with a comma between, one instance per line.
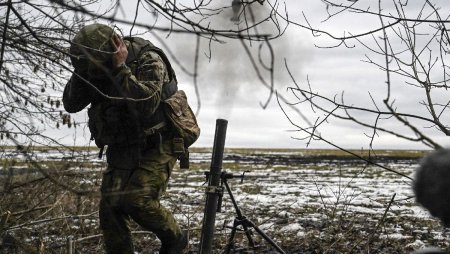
x=120, y=124
x=183, y=120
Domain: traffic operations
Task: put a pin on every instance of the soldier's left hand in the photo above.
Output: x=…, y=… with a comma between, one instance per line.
x=121, y=51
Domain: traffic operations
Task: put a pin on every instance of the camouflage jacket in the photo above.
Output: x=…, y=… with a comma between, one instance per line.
x=143, y=79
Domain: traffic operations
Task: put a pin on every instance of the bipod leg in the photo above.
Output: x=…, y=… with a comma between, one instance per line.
x=267, y=238
x=232, y=234
x=245, y=224
x=239, y=219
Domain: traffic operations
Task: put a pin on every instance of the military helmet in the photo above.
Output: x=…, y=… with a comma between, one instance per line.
x=93, y=43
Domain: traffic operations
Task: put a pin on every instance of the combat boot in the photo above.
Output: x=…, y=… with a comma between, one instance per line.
x=176, y=247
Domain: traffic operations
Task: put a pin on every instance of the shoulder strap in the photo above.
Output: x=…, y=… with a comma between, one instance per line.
x=166, y=61
x=138, y=47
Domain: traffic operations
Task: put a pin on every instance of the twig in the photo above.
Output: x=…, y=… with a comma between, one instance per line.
x=73, y=217
x=380, y=222
x=5, y=28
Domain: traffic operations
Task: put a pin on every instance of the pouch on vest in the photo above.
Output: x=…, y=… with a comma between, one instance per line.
x=184, y=122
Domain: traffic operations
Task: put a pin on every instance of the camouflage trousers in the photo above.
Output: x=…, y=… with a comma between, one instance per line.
x=135, y=194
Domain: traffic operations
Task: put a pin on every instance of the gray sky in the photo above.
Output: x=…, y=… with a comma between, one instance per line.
x=229, y=87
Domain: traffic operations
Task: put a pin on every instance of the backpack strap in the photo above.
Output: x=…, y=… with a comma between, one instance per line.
x=170, y=88
x=155, y=129
x=165, y=59
x=138, y=47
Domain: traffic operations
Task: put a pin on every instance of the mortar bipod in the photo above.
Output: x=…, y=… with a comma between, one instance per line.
x=240, y=219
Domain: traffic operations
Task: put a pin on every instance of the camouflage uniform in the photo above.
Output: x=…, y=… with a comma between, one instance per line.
x=133, y=184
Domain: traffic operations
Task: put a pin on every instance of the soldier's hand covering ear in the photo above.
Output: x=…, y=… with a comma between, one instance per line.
x=120, y=51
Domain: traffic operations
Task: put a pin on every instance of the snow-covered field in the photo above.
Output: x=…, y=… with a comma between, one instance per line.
x=292, y=195
x=306, y=202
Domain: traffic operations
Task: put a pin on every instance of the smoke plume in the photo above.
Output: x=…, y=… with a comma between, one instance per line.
x=226, y=74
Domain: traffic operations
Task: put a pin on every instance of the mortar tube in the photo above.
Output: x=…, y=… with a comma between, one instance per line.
x=212, y=197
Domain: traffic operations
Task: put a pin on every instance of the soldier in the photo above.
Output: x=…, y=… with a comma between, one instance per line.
x=431, y=187
x=125, y=86
x=432, y=184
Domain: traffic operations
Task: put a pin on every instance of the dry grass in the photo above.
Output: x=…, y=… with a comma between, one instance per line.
x=43, y=215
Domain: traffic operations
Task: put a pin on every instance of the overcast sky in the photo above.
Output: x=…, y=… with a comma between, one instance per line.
x=230, y=89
